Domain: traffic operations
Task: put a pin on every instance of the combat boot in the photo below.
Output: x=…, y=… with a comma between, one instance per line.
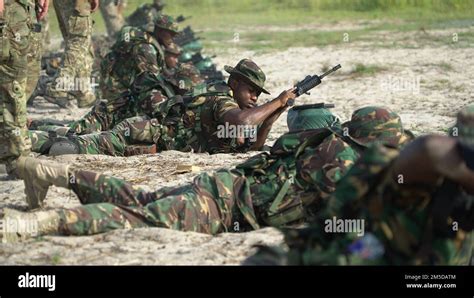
x=59, y=97
x=86, y=100
x=38, y=175
x=22, y=225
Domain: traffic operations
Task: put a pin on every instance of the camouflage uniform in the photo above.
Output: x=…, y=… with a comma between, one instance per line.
x=404, y=227
x=192, y=123
x=34, y=60
x=75, y=22
x=107, y=114
x=112, y=14
x=283, y=187
x=136, y=53
x=398, y=227
x=15, y=46
x=172, y=129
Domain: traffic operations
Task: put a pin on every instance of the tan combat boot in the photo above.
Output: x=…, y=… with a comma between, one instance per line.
x=38, y=175
x=86, y=100
x=22, y=225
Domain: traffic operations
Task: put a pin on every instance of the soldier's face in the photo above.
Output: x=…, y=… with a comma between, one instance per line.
x=165, y=37
x=245, y=95
x=171, y=60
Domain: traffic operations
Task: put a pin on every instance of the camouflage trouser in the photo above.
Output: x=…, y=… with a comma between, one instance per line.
x=96, y=120
x=136, y=130
x=14, y=48
x=34, y=63
x=75, y=22
x=113, y=16
x=211, y=204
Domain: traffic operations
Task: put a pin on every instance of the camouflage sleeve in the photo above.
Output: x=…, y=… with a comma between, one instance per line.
x=324, y=166
x=223, y=105
x=368, y=173
x=147, y=59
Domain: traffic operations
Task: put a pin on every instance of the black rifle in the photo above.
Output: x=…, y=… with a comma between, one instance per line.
x=181, y=18
x=314, y=106
x=309, y=83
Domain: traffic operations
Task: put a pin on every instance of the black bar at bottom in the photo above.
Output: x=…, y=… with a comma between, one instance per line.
x=223, y=281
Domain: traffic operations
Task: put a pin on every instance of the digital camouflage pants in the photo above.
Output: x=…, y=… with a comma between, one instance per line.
x=15, y=38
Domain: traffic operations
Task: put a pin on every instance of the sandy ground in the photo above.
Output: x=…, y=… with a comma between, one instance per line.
x=425, y=83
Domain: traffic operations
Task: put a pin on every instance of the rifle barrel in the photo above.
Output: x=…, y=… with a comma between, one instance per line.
x=330, y=71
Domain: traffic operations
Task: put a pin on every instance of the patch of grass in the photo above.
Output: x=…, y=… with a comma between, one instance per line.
x=220, y=20
x=444, y=66
x=56, y=259
x=363, y=70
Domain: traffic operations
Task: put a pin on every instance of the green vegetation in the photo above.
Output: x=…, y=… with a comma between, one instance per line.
x=265, y=25
x=56, y=259
x=362, y=69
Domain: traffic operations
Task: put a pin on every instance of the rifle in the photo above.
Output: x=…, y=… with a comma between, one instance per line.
x=181, y=19
x=309, y=83
x=314, y=106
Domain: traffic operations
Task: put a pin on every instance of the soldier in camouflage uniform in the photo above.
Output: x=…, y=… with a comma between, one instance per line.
x=284, y=187
x=16, y=20
x=137, y=52
x=418, y=207
x=178, y=78
x=176, y=70
x=73, y=80
x=105, y=115
x=112, y=12
x=201, y=122
x=145, y=14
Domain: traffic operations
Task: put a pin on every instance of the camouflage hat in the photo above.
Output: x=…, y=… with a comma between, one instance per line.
x=464, y=127
x=185, y=78
x=166, y=22
x=311, y=118
x=377, y=125
x=250, y=72
x=173, y=49
x=187, y=70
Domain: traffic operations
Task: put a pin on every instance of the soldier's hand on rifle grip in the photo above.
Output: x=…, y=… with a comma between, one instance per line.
x=285, y=96
x=42, y=9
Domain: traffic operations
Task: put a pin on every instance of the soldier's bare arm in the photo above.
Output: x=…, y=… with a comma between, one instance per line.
x=265, y=128
x=256, y=115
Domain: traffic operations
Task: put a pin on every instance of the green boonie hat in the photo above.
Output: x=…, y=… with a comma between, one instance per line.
x=173, y=49
x=166, y=22
x=311, y=118
x=371, y=124
x=465, y=126
x=250, y=72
